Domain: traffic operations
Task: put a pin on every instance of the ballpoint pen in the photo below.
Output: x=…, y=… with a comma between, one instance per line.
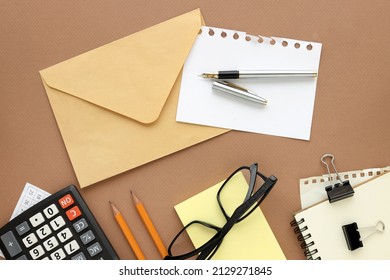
x=236, y=74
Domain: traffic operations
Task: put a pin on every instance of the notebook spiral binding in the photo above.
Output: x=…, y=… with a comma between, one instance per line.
x=305, y=238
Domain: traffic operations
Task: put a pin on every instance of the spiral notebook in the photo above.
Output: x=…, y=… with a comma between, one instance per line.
x=320, y=227
x=290, y=100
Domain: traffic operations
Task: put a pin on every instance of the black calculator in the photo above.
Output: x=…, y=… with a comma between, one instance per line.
x=60, y=227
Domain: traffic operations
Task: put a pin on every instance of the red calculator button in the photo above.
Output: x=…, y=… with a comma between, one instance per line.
x=73, y=213
x=66, y=201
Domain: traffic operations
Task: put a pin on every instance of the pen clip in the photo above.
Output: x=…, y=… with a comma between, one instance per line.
x=233, y=85
x=238, y=91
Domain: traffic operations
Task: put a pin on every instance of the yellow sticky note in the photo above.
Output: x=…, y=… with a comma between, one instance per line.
x=250, y=239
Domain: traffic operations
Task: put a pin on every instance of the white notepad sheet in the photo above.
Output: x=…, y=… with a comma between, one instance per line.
x=312, y=189
x=290, y=100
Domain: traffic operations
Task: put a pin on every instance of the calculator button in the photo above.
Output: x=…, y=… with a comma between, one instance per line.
x=22, y=228
x=71, y=247
x=64, y=235
x=57, y=223
x=37, y=219
x=50, y=211
x=73, y=213
x=66, y=201
x=37, y=252
x=50, y=244
x=80, y=225
x=22, y=258
x=87, y=237
x=79, y=257
x=94, y=249
x=58, y=255
x=11, y=243
x=30, y=240
x=43, y=232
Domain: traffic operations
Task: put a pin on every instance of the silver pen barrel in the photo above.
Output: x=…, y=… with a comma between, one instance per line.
x=276, y=74
x=242, y=74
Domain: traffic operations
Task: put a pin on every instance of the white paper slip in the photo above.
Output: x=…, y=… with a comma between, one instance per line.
x=312, y=189
x=30, y=196
x=290, y=100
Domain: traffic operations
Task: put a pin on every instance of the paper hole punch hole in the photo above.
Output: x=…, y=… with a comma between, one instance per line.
x=340, y=190
x=353, y=235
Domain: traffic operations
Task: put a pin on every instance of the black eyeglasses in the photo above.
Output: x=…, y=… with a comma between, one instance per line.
x=255, y=194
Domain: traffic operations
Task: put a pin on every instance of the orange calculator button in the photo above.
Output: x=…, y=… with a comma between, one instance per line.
x=73, y=213
x=66, y=201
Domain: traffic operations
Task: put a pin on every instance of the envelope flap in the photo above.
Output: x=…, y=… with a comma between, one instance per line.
x=132, y=76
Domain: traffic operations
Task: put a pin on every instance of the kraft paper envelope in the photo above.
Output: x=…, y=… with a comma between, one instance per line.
x=116, y=105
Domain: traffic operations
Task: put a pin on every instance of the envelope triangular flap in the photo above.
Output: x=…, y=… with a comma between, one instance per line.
x=132, y=76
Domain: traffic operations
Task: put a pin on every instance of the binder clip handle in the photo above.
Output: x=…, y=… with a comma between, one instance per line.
x=327, y=166
x=340, y=190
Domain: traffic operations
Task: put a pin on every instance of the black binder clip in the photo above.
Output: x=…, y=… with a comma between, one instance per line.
x=340, y=190
x=353, y=237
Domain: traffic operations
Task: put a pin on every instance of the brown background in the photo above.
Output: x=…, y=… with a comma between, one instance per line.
x=351, y=115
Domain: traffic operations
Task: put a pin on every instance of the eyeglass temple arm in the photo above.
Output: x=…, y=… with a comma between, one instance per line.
x=216, y=240
x=252, y=181
x=211, y=249
x=258, y=196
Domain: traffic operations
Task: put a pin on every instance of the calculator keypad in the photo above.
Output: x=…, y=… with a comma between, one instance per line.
x=60, y=230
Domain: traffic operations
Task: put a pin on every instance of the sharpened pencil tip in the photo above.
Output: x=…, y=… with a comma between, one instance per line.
x=135, y=198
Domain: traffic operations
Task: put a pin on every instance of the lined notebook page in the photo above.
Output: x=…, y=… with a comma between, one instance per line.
x=324, y=222
x=290, y=100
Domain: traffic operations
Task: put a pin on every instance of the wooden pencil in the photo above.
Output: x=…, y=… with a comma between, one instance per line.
x=149, y=226
x=127, y=232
